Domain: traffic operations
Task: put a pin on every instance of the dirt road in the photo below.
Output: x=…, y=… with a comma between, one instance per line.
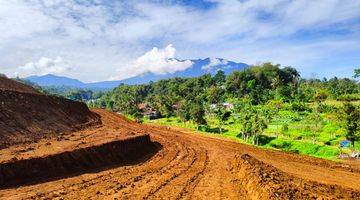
x=191, y=166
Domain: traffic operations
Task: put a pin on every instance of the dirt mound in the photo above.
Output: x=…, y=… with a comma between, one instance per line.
x=11, y=85
x=26, y=116
x=78, y=161
x=263, y=181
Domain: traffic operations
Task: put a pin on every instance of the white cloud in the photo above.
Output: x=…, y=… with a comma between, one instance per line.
x=157, y=61
x=99, y=36
x=213, y=63
x=44, y=66
x=20, y=19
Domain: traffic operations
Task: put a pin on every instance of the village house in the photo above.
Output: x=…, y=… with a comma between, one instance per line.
x=227, y=106
x=147, y=111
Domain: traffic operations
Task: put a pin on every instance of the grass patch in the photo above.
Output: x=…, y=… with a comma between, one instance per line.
x=300, y=147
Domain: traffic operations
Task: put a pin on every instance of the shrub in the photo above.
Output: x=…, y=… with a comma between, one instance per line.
x=279, y=144
x=327, y=151
x=323, y=108
x=299, y=107
x=304, y=148
x=349, y=97
x=321, y=95
x=203, y=128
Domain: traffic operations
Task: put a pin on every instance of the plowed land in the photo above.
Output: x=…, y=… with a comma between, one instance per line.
x=177, y=164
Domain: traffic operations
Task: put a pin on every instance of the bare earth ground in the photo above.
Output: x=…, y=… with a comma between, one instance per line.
x=27, y=116
x=188, y=166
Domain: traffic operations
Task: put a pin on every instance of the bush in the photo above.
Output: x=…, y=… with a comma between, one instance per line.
x=203, y=128
x=304, y=148
x=327, y=151
x=279, y=144
x=321, y=95
x=349, y=97
x=300, y=107
x=323, y=108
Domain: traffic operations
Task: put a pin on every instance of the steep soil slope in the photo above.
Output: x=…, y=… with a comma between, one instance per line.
x=8, y=84
x=26, y=115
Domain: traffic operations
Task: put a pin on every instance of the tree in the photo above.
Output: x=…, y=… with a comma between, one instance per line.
x=357, y=73
x=246, y=126
x=197, y=113
x=315, y=118
x=284, y=129
x=215, y=94
x=352, y=122
x=321, y=95
x=126, y=99
x=219, y=77
x=184, y=111
x=253, y=124
x=222, y=115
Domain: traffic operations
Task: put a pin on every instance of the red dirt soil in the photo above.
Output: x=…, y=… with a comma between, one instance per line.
x=27, y=116
x=9, y=84
x=77, y=161
x=188, y=166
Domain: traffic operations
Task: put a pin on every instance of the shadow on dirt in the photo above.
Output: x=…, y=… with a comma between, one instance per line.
x=73, y=163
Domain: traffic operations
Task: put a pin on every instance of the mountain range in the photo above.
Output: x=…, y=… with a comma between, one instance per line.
x=198, y=68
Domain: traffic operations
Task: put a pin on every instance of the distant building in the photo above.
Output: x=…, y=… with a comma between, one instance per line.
x=345, y=143
x=147, y=111
x=226, y=105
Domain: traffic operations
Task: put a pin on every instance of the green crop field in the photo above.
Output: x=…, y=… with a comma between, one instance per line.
x=302, y=136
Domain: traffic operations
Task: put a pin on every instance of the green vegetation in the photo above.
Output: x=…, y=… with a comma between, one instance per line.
x=352, y=118
x=357, y=73
x=266, y=105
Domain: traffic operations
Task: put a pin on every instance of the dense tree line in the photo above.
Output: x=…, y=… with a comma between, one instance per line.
x=189, y=97
x=192, y=99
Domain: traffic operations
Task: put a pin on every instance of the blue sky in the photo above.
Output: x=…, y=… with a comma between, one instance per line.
x=108, y=39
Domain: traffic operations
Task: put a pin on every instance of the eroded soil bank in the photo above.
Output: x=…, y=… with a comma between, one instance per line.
x=78, y=161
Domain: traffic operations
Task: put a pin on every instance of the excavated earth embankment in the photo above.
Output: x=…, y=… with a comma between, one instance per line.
x=28, y=116
x=69, y=163
x=263, y=181
x=8, y=84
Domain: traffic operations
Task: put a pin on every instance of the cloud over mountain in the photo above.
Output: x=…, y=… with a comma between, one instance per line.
x=156, y=61
x=213, y=63
x=44, y=66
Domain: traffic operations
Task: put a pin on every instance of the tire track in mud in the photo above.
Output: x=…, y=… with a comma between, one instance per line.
x=168, y=165
x=173, y=173
x=120, y=178
x=194, y=180
x=146, y=184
